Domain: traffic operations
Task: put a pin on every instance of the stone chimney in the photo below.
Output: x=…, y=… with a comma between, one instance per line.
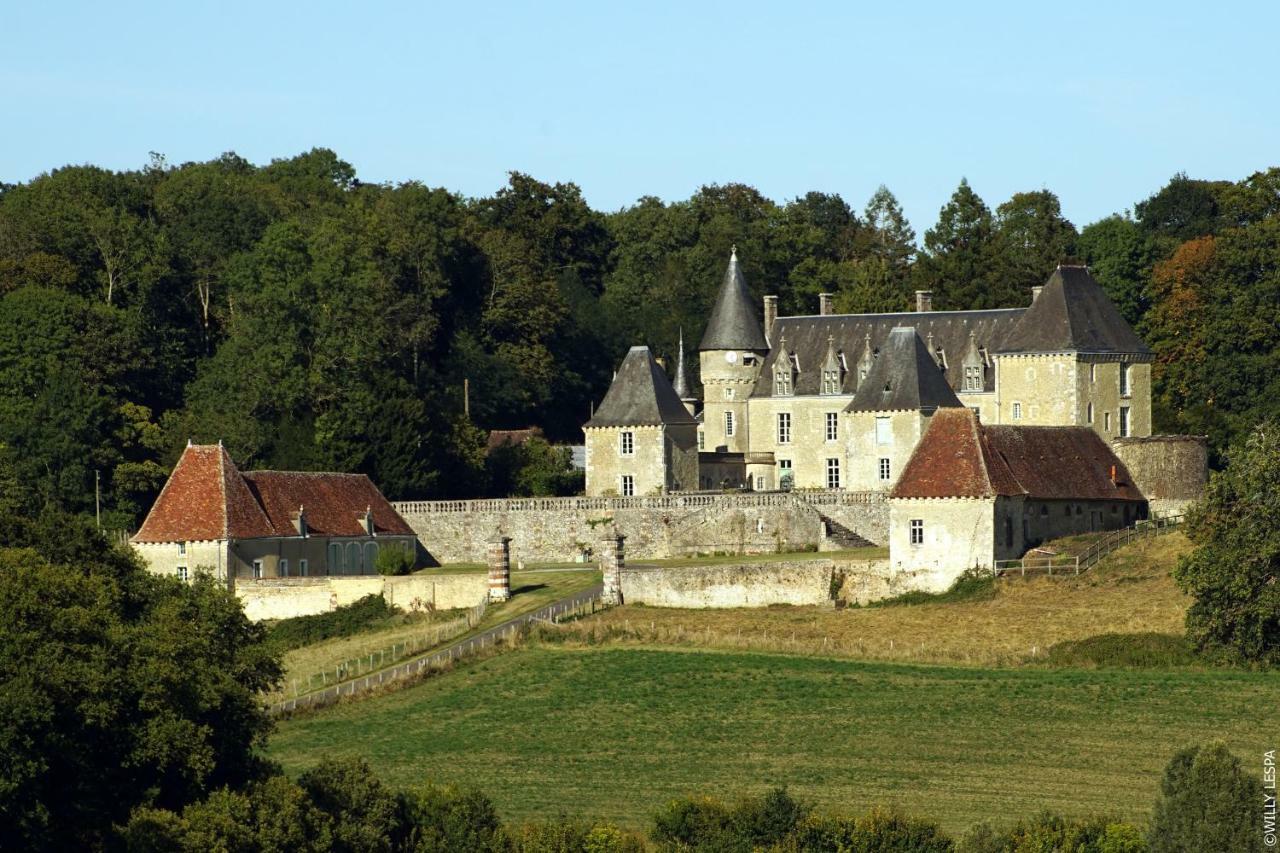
x=1035, y=293
x=770, y=314
x=924, y=301
x=824, y=304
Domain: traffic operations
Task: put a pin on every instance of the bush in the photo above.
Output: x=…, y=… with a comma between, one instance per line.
x=703, y=823
x=343, y=622
x=571, y=836
x=880, y=830
x=394, y=561
x=1049, y=833
x=366, y=814
x=451, y=820
x=1138, y=651
x=973, y=585
x=1207, y=802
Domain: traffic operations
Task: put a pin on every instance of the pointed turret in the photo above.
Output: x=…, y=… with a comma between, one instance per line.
x=733, y=324
x=681, y=384
x=832, y=369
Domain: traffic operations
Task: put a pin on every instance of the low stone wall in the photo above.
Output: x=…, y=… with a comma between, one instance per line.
x=284, y=598
x=747, y=584
x=555, y=529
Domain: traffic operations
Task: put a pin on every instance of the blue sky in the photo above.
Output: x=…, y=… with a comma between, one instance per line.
x=1100, y=102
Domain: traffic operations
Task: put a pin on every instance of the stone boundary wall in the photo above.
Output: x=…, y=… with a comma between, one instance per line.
x=1171, y=471
x=747, y=584
x=284, y=598
x=564, y=529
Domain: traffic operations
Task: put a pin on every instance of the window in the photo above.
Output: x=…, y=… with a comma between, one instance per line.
x=784, y=427
x=182, y=549
x=973, y=377
x=728, y=393
x=1124, y=420
x=1124, y=381
x=833, y=473
x=830, y=382
x=353, y=558
x=1017, y=411
x=627, y=443
x=759, y=482
x=884, y=431
x=1093, y=373
x=283, y=569
x=782, y=380
x=302, y=568
x=628, y=485
x=182, y=573
x=833, y=426
x=785, y=477
x=1089, y=414
x=728, y=423
x=257, y=569
x=1106, y=422
x=702, y=440
x=917, y=531
x=335, y=558
x=884, y=469
x=370, y=556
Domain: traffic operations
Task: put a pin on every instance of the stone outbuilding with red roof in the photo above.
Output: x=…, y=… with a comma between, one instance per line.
x=972, y=494
x=212, y=517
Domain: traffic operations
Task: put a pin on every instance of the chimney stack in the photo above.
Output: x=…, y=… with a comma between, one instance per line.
x=824, y=304
x=770, y=313
x=924, y=301
x=1035, y=293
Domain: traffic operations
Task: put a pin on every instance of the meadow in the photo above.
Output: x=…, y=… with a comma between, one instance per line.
x=612, y=732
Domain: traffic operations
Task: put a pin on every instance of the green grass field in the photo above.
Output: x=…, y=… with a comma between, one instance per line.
x=612, y=732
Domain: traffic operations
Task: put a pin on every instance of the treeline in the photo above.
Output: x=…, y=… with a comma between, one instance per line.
x=310, y=320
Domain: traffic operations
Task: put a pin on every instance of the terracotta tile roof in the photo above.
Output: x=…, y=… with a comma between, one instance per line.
x=961, y=457
x=334, y=503
x=514, y=437
x=207, y=497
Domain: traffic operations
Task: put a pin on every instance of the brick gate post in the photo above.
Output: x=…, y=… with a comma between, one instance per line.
x=612, y=562
x=499, y=554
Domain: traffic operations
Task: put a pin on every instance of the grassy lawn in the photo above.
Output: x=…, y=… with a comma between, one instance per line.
x=612, y=732
x=529, y=591
x=1129, y=592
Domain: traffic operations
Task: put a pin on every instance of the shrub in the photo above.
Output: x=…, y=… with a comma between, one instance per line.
x=1139, y=651
x=1207, y=802
x=1050, y=833
x=880, y=830
x=366, y=814
x=343, y=622
x=768, y=819
x=571, y=836
x=451, y=819
x=973, y=585
x=696, y=823
x=394, y=561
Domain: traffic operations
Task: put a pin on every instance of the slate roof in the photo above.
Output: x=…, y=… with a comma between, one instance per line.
x=640, y=395
x=807, y=340
x=960, y=457
x=903, y=377
x=1073, y=313
x=206, y=498
x=681, y=385
x=734, y=322
x=515, y=437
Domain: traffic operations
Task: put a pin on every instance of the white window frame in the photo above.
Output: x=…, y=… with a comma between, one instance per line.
x=784, y=427
x=759, y=482
x=1126, y=385
x=257, y=570
x=627, y=486
x=626, y=443
x=182, y=549
x=728, y=423
x=917, y=531
x=830, y=382
x=833, y=426
x=833, y=472
x=884, y=469
x=1017, y=411
x=183, y=574
x=973, y=377
x=884, y=431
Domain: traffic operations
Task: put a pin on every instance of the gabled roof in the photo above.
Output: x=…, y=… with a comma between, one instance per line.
x=204, y=498
x=807, y=338
x=903, y=378
x=640, y=395
x=207, y=498
x=734, y=323
x=1073, y=313
x=959, y=457
x=334, y=504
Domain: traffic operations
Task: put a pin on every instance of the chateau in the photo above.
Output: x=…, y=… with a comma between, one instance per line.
x=840, y=401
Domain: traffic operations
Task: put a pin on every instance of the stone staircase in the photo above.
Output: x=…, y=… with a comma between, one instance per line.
x=841, y=537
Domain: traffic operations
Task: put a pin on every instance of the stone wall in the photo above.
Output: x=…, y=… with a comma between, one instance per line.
x=747, y=584
x=283, y=598
x=562, y=529
x=1171, y=471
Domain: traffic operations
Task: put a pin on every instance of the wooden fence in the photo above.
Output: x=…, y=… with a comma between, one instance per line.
x=1067, y=564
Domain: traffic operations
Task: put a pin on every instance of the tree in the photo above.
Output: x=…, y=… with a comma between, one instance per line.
x=1234, y=572
x=1207, y=802
x=1032, y=238
x=1120, y=257
x=959, y=255
x=1182, y=209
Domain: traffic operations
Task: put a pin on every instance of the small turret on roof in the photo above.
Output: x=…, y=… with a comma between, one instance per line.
x=640, y=395
x=903, y=377
x=733, y=324
x=681, y=385
x=1072, y=313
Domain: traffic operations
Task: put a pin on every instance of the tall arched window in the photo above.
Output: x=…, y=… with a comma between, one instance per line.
x=370, y=557
x=353, y=558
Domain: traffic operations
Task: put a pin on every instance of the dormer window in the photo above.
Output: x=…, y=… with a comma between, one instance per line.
x=782, y=381
x=972, y=377
x=830, y=382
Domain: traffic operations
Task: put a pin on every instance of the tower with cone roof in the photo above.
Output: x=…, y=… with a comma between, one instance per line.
x=732, y=350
